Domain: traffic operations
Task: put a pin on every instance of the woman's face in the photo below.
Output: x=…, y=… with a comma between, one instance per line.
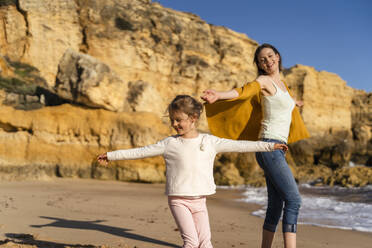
x=268, y=60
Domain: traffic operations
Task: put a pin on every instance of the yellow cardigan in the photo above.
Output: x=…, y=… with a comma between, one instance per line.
x=240, y=118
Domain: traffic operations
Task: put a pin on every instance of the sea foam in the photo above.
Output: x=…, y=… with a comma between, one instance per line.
x=332, y=207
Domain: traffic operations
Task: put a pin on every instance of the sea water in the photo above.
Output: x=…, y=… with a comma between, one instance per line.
x=335, y=207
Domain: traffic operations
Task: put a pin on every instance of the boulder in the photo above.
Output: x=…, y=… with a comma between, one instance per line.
x=84, y=80
x=351, y=177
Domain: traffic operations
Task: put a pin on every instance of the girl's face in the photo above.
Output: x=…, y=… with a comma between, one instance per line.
x=268, y=60
x=182, y=123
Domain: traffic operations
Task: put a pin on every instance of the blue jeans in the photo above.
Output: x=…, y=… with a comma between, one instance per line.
x=281, y=189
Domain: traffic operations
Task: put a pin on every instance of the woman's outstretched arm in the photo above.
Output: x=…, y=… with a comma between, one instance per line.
x=211, y=96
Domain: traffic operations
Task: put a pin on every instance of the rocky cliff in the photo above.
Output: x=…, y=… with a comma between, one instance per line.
x=86, y=76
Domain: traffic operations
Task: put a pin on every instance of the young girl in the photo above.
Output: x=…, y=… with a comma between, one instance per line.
x=189, y=158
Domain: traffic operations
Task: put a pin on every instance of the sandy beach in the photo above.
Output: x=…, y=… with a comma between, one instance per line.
x=91, y=213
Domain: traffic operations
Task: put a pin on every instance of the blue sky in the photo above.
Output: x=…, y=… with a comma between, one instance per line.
x=330, y=35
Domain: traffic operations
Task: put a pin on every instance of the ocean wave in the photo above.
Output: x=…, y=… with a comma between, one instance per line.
x=325, y=206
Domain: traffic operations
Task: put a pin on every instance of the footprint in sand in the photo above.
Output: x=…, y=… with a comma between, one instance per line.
x=7, y=203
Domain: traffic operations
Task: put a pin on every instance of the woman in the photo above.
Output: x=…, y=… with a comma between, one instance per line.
x=265, y=110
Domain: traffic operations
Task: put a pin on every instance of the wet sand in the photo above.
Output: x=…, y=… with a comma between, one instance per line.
x=92, y=213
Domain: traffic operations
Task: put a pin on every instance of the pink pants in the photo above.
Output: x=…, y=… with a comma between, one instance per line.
x=191, y=216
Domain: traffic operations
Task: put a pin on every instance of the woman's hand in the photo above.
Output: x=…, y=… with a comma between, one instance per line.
x=282, y=147
x=210, y=96
x=299, y=103
x=102, y=159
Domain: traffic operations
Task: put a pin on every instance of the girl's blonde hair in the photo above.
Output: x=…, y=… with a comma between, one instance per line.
x=187, y=105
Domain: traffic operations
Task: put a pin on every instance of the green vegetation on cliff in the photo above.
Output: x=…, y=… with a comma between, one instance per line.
x=15, y=85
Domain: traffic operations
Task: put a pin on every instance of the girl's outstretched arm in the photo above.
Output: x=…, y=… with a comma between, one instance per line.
x=228, y=145
x=134, y=153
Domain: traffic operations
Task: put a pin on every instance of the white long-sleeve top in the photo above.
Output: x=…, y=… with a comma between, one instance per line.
x=189, y=161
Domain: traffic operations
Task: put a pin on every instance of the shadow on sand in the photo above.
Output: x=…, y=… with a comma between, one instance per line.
x=94, y=225
x=28, y=239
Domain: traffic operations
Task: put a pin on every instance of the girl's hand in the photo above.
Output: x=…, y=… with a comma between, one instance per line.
x=282, y=147
x=210, y=96
x=102, y=159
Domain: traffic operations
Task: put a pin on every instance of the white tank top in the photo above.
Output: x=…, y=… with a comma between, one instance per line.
x=277, y=115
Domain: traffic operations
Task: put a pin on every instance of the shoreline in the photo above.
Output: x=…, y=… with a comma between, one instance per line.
x=68, y=212
x=324, y=206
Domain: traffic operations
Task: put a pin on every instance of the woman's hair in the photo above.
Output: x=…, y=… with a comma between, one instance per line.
x=258, y=50
x=187, y=105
